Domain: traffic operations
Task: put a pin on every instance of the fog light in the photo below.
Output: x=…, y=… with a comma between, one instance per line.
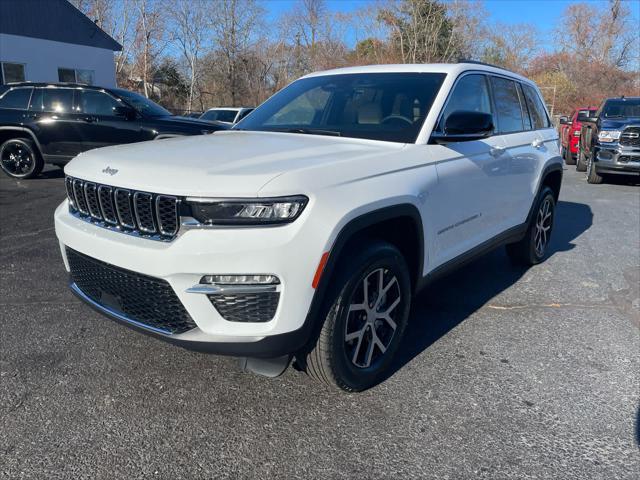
x=255, y=279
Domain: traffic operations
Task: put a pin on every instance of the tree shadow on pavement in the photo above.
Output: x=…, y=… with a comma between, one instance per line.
x=449, y=301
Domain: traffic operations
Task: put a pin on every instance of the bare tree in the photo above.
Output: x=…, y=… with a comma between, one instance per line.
x=118, y=19
x=234, y=23
x=608, y=36
x=191, y=32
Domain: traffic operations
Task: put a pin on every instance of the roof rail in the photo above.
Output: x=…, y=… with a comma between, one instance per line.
x=476, y=62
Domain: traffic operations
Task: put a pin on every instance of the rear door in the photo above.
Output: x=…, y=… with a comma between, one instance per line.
x=57, y=125
x=522, y=151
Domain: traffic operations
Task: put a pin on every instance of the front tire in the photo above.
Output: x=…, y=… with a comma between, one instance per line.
x=533, y=248
x=581, y=163
x=592, y=175
x=20, y=159
x=568, y=157
x=366, y=313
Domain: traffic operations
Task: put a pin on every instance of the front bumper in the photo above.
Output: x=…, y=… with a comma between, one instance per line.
x=195, y=253
x=617, y=159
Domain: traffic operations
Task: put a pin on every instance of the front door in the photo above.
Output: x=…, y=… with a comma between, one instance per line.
x=102, y=126
x=58, y=125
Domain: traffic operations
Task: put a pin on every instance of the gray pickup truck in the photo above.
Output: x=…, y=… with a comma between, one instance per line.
x=610, y=140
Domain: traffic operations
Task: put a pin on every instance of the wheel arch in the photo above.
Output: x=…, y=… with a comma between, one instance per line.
x=7, y=133
x=383, y=223
x=551, y=177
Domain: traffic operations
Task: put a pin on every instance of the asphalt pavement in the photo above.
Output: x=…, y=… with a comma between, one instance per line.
x=504, y=372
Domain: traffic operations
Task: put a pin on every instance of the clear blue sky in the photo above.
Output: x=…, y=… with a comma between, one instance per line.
x=541, y=13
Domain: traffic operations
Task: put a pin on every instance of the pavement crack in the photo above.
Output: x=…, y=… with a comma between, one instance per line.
x=550, y=305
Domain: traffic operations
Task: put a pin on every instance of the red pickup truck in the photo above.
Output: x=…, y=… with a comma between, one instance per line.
x=570, y=132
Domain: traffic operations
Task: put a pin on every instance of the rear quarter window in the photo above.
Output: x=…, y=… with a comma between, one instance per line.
x=539, y=117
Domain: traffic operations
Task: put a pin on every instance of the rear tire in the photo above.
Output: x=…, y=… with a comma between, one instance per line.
x=20, y=159
x=569, y=159
x=361, y=331
x=581, y=163
x=592, y=175
x=533, y=247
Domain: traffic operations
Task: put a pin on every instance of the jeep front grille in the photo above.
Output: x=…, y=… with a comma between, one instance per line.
x=149, y=215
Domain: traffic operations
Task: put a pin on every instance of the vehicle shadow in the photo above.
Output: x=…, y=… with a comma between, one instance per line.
x=449, y=301
x=53, y=172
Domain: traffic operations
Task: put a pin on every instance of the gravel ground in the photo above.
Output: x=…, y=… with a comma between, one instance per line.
x=505, y=373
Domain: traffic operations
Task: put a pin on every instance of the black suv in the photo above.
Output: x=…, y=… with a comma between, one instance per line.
x=53, y=122
x=610, y=140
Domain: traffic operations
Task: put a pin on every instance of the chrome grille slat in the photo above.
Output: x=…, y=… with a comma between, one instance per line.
x=167, y=214
x=68, y=183
x=142, y=214
x=108, y=208
x=91, y=194
x=124, y=211
x=78, y=193
x=143, y=208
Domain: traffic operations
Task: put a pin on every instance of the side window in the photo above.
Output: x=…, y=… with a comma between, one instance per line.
x=537, y=111
x=36, y=100
x=58, y=100
x=508, y=109
x=18, y=98
x=470, y=94
x=97, y=103
x=525, y=110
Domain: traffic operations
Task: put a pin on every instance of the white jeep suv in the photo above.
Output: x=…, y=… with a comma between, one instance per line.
x=305, y=231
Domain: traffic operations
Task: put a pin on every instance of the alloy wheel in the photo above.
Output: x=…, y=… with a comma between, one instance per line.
x=371, y=325
x=17, y=159
x=544, y=220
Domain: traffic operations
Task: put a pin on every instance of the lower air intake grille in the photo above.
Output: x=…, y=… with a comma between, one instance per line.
x=147, y=300
x=246, y=307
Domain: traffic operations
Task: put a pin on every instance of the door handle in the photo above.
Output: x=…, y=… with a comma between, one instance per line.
x=89, y=119
x=496, y=151
x=537, y=143
x=30, y=115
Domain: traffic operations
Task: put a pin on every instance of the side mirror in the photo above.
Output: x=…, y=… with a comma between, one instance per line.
x=124, y=111
x=564, y=121
x=461, y=126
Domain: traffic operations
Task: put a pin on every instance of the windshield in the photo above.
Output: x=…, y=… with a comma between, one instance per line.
x=376, y=106
x=142, y=104
x=622, y=108
x=220, y=115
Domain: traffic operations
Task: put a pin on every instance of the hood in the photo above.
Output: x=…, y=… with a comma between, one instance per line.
x=190, y=122
x=618, y=123
x=232, y=163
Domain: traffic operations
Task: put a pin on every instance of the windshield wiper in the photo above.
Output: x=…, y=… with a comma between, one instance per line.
x=308, y=131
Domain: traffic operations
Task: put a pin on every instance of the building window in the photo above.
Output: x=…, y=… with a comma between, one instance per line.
x=12, y=72
x=75, y=75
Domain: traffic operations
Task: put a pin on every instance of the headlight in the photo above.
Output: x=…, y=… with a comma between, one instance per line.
x=608, y=135
x=254, y=211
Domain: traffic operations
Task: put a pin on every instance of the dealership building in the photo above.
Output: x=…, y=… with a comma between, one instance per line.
x=52, y=41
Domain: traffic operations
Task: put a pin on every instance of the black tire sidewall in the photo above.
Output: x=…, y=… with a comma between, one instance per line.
x=380, y=255
x=531, y=243
x=32, y=152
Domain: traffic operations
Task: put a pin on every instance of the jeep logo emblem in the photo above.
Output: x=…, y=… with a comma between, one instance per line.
x=110, y=171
